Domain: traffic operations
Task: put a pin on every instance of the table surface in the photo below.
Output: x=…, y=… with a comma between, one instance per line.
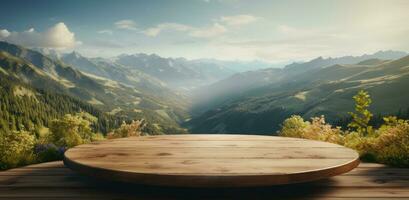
x=211, y=160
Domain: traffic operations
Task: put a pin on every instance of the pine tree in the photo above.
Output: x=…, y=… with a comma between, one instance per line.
x=361, y=116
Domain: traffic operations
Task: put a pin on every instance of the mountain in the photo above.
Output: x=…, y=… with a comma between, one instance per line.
x=101, y=68
x=51, y=53
x=241, y=66
x=26, y=108
x=318, y=91
x=321, y=62
x=251, y=83
x=175, y=72
x=42, y=72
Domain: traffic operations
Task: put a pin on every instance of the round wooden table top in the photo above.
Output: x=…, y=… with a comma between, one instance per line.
x=211, y=160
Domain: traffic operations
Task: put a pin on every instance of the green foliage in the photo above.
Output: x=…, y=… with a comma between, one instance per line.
x=389, y=144
x=362, y=116
x=16, y=148
x=48, y=152
x=23, y=147
x=293, y=127
x=316, y=129
x=135, y=128
x=392, y=143
x=32, y=112
x=72, y=130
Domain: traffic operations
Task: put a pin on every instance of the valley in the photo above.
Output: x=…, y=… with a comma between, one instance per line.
x=259, y=101
x=176, y=95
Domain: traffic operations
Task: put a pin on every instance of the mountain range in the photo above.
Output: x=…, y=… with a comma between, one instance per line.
x=258, y=101
x=174, y=73
x=112, y=97
x=178, y=95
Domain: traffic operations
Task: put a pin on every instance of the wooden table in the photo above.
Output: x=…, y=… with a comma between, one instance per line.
x=211, y=160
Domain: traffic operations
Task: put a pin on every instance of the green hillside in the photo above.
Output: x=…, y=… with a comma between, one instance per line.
x=324, y=91
x=111, y=97
x=26, y=108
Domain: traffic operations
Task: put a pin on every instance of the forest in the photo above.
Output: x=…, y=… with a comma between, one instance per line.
x=41, y=133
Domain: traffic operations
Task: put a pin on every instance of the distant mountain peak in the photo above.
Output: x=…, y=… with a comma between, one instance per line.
x=52, y=53
x=321, y=62
x=321, y=58
x=371, y=61
x=75, y=54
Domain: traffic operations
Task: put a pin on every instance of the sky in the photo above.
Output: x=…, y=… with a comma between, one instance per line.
x=269, y=30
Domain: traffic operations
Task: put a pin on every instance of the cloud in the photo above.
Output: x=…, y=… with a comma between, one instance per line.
x=216, y=29
x=103, y=43
x=304, y=43
x=197, y=32
x=126, y=24
x=58, y=36
x=206, y=32
x=105, y=31
x=4, y=33
x=154, y=31
x=237, y=20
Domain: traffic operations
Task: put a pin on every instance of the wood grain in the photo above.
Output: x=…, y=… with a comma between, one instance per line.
x=54, y=181
x=211, y=160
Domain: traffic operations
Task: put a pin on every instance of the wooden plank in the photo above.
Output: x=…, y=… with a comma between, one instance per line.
x=211, y=166
x=223, y=153
x=121, y=143
x=139, y=197
x=361, y=185
x=278, y=193
x=211, y=137
x=77, y=180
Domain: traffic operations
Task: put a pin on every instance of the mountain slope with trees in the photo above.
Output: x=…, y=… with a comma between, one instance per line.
x=251, y=83
x=42, y=72
x=26, y=108
x=319, y=91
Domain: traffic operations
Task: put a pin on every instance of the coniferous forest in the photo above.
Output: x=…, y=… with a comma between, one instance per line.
x=25, y=108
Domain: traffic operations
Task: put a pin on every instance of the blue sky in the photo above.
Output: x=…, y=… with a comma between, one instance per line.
x=274, y=31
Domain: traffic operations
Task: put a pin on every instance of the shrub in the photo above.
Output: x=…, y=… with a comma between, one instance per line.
x=391, y=145
x=362, y=144
x=21, y=147
x=293, y=127
x=316, y=129
x=48, y=152
x=72, y=130
x=135, y=128
x=16, y=149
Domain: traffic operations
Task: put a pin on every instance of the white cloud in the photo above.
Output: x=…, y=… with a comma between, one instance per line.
x=206, y=32
x=58, y=36
x=4, y=33
x=154, y=31
x=304, y=43
x=198, y=32
x=237, y=20
x=126, y=24
x=105, y=31
x=216, y=29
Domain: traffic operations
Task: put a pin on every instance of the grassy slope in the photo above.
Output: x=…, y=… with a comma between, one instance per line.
x=57, y=77
x=326, y=91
